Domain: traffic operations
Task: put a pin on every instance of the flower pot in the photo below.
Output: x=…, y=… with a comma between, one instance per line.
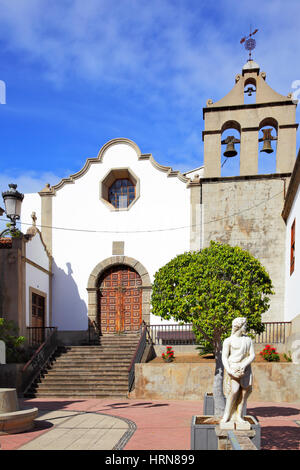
x=209, y=404
x=203, y=435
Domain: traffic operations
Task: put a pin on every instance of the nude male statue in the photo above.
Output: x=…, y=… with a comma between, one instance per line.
x=237, y=355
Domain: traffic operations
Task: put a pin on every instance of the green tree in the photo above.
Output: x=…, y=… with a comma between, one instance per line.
x=209, y=288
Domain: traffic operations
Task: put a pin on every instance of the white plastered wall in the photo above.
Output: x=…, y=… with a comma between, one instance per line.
x=164, y=204
x=36, y=277
x=292, y=282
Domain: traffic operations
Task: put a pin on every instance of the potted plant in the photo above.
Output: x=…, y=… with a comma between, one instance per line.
x=270, y=354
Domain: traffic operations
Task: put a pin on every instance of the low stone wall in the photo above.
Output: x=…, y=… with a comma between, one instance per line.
x=277, y=382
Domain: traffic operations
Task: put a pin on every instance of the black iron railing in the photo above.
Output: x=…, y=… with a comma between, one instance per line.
x=176, y=334
x=172, y=334
x=37, y=335
x=39, y=361
x=94, y=331
x=137, y=357
x=275, y=332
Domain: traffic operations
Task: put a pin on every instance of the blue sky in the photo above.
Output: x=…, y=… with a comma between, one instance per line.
x=79, y=73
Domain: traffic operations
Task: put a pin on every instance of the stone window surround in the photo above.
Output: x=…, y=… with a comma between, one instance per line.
x=92, y=286
x=112, y=175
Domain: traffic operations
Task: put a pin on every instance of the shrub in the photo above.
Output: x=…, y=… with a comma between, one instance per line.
x=14, y=344
x=270, y=354
x=209, y=288
x=288, y=357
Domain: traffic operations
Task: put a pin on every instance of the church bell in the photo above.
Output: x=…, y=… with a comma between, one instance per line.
x=230, y=149
x=267, y=146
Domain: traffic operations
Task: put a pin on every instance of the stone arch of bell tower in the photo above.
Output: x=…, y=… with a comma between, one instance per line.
x=269, y=108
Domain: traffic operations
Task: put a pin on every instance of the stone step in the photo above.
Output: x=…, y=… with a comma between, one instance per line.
x=96, y=362
x=97, y=354
x=87, y=361
x=75, y=381
x=82, y=386
x=99, y=370
x=92, y=366
x=98, y=350
x=76, y=394
x=105, y=374
x=91, y=357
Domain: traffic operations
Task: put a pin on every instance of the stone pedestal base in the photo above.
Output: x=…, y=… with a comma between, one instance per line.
x=204, y=433
x=242, y=440
x=235, y=425
x=12, y=419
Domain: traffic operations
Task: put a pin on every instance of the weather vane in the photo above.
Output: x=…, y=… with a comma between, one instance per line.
x=250, y=43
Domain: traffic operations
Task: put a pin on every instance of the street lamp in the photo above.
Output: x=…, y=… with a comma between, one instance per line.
x=13, y=201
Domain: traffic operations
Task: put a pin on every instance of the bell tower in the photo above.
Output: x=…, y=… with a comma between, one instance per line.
x=268, y=122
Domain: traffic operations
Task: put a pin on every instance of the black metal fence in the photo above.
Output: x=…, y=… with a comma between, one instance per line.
x=37, y=335
x=40, y=359
x=171, y=335
x=275, y=332
x=137, y=357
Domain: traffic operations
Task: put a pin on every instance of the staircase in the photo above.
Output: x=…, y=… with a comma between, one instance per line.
x=96, y=371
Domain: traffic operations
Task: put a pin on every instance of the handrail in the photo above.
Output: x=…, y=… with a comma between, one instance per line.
x=37, y=335
x=93, y=324
x=38, y=361
x=138, y=354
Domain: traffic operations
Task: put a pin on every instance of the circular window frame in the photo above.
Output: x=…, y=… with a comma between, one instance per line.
x=113, y=175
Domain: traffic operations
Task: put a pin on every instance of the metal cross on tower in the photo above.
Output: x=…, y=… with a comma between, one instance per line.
x=250, y=43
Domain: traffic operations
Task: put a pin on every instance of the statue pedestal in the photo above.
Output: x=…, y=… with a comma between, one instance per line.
x=231, y=425
x=204, y=432
x=239, y=440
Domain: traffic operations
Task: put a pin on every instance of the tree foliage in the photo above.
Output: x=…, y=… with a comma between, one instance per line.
x=210, y=288
x=13, y=342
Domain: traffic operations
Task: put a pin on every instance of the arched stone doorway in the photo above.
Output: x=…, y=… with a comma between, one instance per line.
x=119, y=291
x=119, y=300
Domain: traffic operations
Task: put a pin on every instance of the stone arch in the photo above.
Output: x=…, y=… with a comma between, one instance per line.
x=269, y=121
x=101, y=267
x=268, y=164
x=249, y=91
x=230, y=129
x=231, y=124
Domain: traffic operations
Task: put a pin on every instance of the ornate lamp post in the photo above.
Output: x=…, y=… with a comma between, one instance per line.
x=13, y=201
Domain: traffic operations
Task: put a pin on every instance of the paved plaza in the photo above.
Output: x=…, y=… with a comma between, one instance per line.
x=132, y=424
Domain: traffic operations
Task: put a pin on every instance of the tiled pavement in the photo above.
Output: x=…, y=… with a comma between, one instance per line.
x=132, y=424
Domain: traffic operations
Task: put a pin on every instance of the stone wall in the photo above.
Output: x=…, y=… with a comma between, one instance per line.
x=275, y=382
x=246, y=212
x=11, y=376
x=12, y=284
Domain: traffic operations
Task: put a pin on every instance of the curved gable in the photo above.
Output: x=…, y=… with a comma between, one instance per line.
x=99, y=159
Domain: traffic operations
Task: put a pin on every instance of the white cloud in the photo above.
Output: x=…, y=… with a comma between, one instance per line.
x=28, y=181
x=189, y=48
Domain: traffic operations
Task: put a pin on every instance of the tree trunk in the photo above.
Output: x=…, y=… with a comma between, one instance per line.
x=219, y=398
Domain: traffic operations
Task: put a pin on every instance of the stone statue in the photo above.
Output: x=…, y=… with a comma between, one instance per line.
x=237, y=355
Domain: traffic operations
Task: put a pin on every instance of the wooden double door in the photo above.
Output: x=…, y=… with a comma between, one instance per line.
x=120, y=300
